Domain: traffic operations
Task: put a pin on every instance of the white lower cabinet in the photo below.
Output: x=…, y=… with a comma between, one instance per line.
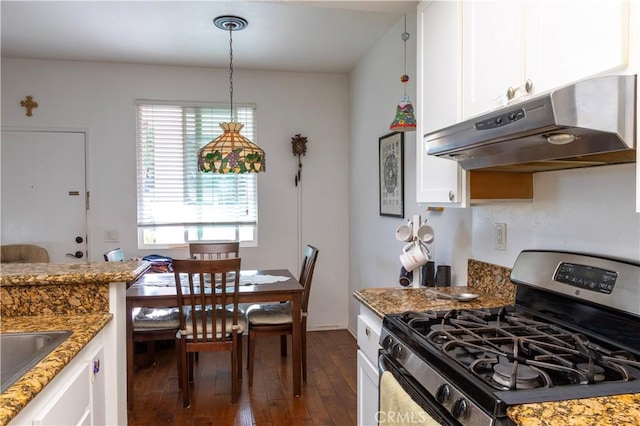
x=76, y=396
x=72, y=405
x=367, y=391
x=98, y=388
x=369, y=328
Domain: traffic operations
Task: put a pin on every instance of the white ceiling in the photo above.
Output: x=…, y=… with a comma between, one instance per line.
x=302, y=36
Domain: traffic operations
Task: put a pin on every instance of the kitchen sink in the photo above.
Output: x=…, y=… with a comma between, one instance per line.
x=19, y=352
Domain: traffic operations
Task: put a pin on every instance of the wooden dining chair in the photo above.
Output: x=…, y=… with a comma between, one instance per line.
x=276, y=319
x=149, y=324
x=210, y=251
x=209, y=324
x=23, y=253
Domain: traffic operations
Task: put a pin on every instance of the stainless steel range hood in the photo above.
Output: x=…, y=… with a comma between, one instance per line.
x=588, y=123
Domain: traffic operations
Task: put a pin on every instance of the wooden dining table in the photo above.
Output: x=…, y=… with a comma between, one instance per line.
x=152, y=290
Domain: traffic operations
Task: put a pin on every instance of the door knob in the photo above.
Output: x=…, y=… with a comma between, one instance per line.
x=77, y=255
x=79, y=240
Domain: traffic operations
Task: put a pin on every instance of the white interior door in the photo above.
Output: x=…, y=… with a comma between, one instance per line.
x=44, y=192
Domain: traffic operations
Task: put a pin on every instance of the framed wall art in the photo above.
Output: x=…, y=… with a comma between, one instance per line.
x=391, y=170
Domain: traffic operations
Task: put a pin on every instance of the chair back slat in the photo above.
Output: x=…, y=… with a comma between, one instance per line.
x=306, y=273
x=212, y=251
x=196, y=283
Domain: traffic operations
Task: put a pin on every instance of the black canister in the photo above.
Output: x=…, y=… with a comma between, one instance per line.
x=429, y=275
x=443, y=276
x=406, y=277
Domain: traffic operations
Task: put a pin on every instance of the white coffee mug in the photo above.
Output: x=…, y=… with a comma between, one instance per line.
x=404, y=233
x=413, y=256
x=425, y=233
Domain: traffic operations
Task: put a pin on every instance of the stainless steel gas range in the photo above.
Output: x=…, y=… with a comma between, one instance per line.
x=573, y=332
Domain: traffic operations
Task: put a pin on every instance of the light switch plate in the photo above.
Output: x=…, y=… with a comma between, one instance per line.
x=111, y=236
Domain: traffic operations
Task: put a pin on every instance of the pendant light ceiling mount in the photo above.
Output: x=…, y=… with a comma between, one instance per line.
x=231, y=152
x=230, y=23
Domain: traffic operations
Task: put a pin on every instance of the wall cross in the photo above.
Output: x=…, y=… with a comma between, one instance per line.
x=29, y=104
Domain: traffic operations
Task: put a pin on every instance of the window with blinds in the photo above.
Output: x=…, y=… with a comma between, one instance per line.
x=176, y=203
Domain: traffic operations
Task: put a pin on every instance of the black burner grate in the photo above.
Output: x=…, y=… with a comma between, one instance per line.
x=512, y=351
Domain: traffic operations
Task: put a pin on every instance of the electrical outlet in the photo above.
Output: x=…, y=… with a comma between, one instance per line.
x=500, y=236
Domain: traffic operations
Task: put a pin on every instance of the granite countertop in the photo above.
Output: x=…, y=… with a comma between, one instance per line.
x=21, y=274
x=48, y=297
x=384, y=301
x=616, y=410
x=84, y=328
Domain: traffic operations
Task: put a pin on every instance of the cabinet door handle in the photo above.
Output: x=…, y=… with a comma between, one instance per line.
x=452, y=196
x=528, y=86
x=524, y=88
x=367, y=331
x=96, y=369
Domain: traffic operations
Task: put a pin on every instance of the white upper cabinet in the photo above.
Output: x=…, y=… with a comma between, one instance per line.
x=519, y=48
x=493, y=39
x=568, y=41
x=438, y=98
x=476, y=56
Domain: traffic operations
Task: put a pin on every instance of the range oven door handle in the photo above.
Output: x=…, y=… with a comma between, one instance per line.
x=433, y=413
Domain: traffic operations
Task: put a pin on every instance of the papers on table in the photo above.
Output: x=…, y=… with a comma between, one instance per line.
x=249, y=278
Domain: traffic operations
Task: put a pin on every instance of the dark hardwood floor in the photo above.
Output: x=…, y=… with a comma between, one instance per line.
x=328, y=396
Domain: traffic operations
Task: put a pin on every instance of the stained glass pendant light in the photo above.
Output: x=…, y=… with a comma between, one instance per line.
x=231, y=152
x=405, y=120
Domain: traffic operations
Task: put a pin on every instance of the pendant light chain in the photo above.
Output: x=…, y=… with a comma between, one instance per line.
x=404, y=39
x=231, y=68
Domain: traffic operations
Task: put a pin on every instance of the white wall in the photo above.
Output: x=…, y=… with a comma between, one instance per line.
x=588, y=210
x=99, y=98
x=375, y=90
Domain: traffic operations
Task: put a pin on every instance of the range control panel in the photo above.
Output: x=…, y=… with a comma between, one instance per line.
x=586, y=277
x=500, y=120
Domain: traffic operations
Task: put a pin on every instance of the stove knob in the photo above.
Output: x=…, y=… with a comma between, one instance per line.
x=387, y=342
x=396, y=351
x=443, y=393
x=459, y=409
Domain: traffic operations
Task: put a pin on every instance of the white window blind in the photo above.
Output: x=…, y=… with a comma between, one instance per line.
x=176, y=203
